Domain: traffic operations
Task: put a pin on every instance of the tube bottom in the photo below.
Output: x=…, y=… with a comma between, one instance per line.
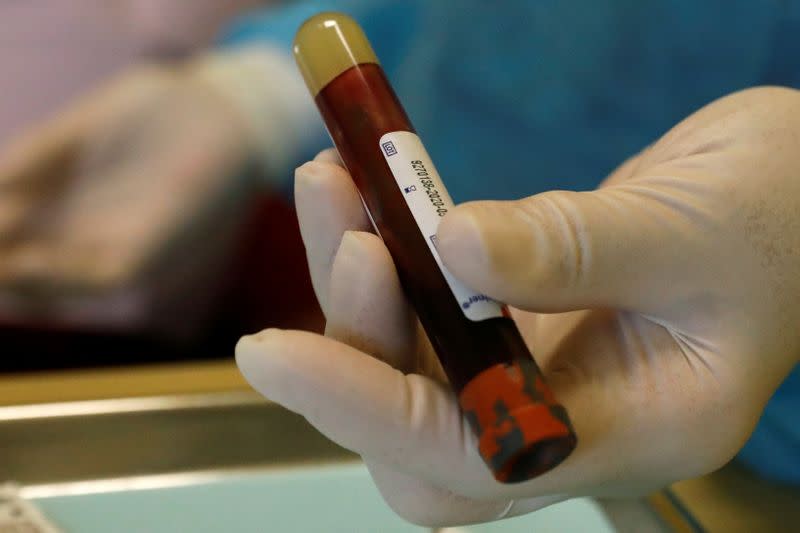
x=522, y=431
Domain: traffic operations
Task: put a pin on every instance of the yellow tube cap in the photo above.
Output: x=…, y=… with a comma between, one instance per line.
x=326, y=45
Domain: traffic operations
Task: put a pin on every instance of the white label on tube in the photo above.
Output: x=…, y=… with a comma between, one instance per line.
x=429, y=201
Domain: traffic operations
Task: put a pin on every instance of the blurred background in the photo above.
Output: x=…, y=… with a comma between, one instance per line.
x=136, y=225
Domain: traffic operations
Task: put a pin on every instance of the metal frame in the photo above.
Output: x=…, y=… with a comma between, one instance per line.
x=87, y=447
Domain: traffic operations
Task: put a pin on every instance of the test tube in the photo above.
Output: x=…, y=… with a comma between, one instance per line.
x=522, y=430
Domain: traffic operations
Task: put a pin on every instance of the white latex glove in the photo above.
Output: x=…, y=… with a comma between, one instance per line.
x=96, y=195
x=144, y=174
x=688, y=259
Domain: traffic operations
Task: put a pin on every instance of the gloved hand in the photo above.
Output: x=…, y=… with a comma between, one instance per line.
x=662, y=308
x=142, y=178
x=90, y=197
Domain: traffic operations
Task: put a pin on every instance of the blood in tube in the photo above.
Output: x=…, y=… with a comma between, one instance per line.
x=521, y=429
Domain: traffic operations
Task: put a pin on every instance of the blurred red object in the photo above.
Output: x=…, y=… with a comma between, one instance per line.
x=263, y=282
x=272, y=286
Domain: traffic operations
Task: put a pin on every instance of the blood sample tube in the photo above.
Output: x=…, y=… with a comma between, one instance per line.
x=522, y=431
